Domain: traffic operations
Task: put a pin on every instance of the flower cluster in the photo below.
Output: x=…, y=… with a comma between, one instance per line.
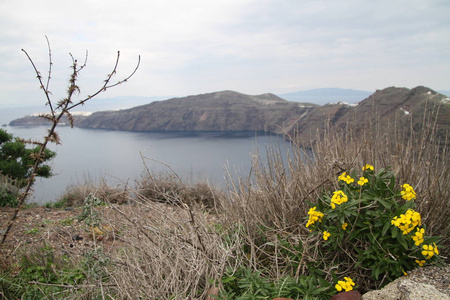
x=338, y=198
x=387, y=207
x=344, y=226
x=346, y=285
x=346, y=178
x=420, y=262
x=368, y=168
x=418, y=236
x=408, y=192
x=408, y=221
x=430, y=250
x=362, y=181
x=314, y=216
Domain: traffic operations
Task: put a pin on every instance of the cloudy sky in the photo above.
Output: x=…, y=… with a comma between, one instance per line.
x=198, y=46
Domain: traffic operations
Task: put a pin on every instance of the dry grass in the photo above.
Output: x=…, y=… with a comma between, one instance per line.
x=175, y=241
x=75, y=194
x=170, y=188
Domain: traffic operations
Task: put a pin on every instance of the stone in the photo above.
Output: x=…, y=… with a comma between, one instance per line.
x=406, y=288
x=351, y=295
x=411, y=290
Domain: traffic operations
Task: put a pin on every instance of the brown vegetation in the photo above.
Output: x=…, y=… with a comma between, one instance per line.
x=166, y=251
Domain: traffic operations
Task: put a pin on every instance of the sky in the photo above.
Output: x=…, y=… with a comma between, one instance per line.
x=189, y=47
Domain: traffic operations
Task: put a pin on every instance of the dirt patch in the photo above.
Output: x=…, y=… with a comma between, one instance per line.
x=59, y=229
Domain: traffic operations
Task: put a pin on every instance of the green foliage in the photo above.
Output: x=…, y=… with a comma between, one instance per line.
x=57, y=204
x=8, y=192
x=370, y=224
x=246, y=284
x=89, y=215
x=17, y=161
x=41, y=275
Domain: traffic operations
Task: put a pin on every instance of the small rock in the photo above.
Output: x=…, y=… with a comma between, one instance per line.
x=76, y=237
x=351, y=295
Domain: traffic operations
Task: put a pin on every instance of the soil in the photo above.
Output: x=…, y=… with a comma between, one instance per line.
x=36, y=227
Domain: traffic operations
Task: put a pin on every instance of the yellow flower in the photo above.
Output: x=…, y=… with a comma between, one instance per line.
x=420, y=262
x=338, y=198
x=362, y=181
x=418, y=236
x=436, y=249
x=368, y=167
x=314, y=216
x=344, y=226
x=408, y=221
x=347, y=178
x=326, y=235
x=346, y=285
x=429, y=251
x=408, y=192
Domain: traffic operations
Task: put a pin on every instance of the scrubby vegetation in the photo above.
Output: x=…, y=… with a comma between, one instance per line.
x=348, y=214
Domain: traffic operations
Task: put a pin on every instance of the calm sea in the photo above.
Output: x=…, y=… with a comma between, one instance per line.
x=119, y=156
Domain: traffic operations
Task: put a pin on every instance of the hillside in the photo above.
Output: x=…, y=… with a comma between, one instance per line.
x=403, y=107
x=233, y=111
x=220, y=111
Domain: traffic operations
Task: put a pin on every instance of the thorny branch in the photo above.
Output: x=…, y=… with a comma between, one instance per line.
x=56, y=113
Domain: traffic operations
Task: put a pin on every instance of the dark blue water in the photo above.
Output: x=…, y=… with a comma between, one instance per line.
x=118, y=156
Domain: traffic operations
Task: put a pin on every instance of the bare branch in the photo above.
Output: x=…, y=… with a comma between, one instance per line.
x=106, y=85
x=47, y=94
x=50, y=64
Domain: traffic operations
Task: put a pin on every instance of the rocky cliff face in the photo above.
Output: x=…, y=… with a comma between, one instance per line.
x=221, y=111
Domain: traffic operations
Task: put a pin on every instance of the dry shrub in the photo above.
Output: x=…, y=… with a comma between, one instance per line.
x=168, y=252
x=169, y=188
x=75, y=194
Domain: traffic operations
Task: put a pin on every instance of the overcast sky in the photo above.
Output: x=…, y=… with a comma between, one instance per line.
x=251, y=46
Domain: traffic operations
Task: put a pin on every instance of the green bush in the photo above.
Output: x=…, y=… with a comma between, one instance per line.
x=17, y=161
x=16, y=164
x=369, y=228
x=8, y=192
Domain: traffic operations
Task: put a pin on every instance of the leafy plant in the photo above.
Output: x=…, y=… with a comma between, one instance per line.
x=89, y=215
x=41, y=274
x=245, y=283
x=17, y=161
x=368, y=223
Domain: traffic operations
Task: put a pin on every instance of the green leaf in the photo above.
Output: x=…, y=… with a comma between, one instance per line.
x=385, y=203
x=385, y=228
x=376, y=272
x=394, y=231
x=401, y=240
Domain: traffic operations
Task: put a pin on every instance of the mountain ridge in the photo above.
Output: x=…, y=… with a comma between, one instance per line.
x=233, y=111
